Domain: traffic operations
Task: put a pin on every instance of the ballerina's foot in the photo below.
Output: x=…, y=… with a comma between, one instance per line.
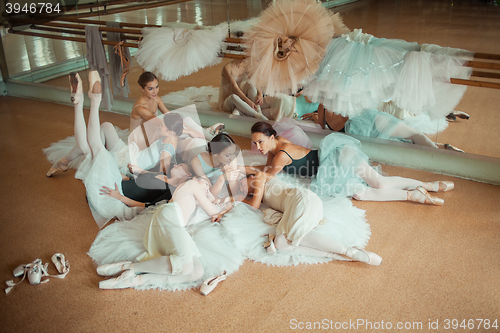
x=421, y=195
x=128, y=279
x=61, y=165
x=450, y=147
x=94, y=82
x=113, y=269
x=75, y=83
x=216, y=128
x=440, y=186
x=361, y=255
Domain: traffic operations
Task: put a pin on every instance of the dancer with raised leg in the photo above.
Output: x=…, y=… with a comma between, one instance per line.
x=341, y=169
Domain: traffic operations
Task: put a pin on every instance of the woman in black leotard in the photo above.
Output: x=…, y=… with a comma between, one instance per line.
x=340, y=168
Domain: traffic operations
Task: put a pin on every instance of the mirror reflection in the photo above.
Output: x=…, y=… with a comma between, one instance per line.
x=39, y=59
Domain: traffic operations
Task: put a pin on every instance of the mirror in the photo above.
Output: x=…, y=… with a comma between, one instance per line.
x=419, y=22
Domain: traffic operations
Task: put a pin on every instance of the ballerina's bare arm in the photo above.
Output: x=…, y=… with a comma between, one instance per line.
x=277, y=164
x=115, y=193
x=165, y=159
x=202, y=197
x=161, y=106
x=226, y=71
x=257, y=184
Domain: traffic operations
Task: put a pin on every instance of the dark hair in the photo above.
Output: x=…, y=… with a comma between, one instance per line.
x=174, y=122
x=146, y=77
x=220, y=142
x=264, y=128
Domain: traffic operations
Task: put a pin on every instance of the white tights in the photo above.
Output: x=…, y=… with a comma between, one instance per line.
x=235, y=102
x=406, y=132
x=312, y=244
x=99, y=135
x=159, y=270
x=384, y=188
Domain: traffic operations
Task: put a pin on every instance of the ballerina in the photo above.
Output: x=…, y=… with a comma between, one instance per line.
x=340, y=169
x=237, y=95
x=171, y=255
x=218, y=164
x=302, y=213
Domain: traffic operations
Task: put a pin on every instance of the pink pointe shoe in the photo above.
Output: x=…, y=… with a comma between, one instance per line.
x=61, y=165
x=112, y=269
x=93, y=78
x=76, y=85
x=421, y=195
x=445, y=186
x=128, y=279
x=361, y=255
x=209, y=285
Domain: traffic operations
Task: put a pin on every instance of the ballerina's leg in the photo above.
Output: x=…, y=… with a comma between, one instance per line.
x=94, y=127
x=409, y=133
x=80, y=128
x=235, y=102
x=311, y=244
x=377, y=181
x=160, y=269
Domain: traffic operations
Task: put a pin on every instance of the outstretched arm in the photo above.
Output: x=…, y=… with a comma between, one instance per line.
x=257, y=184
x=114, y=193
x=161, y=106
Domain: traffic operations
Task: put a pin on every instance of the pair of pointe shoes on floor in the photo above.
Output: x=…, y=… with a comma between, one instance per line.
x=129, y=279
x=421, y=195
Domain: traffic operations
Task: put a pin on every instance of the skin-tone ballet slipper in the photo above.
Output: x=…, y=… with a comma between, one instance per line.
x=94, y=78
x=209, y=285
x=61, y=165
x=216, y=128
x=128, y=279
x=450, y=147
x=76, y=85
x=62, y=265
x=113, y=269
x=269, y=244
x=362, y=255
x=421, y=195
x=441, y=186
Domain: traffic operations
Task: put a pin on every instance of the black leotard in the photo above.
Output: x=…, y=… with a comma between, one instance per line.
x=305, y=166
x=148, y=189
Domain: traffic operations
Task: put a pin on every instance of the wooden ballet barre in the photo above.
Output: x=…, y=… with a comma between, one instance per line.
x=487, y=56
x=78, y=32
x=78, y=26
x=474, y=83
x=122, y=24
x=102, y=4
x=489, y=75
x=71, y=39
x=485, y=65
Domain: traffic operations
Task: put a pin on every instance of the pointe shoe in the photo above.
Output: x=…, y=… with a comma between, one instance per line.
x=421, y=195
x=451, y=117
x=35, y=272
x=76, y=85
x=128, y=279
x=450, y=147
x=209, y=285
x=362, y=255
x=62, y=265
x=112, y=269
x=61, y=165
x=448, y=186
x=259, y=113
x=216, y=128
x=236, y=113
x=269, y=245
x=93, y=78
x=461, y=115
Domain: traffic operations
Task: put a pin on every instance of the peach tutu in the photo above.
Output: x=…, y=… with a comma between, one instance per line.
x=287, y=45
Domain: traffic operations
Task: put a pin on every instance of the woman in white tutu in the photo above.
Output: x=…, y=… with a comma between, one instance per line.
x=341, y=169
x=171, y=255
x=302, y=213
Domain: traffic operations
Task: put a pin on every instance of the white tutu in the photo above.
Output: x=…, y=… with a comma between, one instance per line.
x=423, y=84
x=61, y=148
x=345, y=224
x=172, y=53
x=103, y=171
x=205, y=98
x=124, y=241
x=358, y=72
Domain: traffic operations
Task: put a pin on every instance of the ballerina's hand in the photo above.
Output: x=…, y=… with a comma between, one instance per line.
x=134, y=169
x=260, y=99
x=310, y=116
x=110, y=192
x=162, y=178
x=217, y=218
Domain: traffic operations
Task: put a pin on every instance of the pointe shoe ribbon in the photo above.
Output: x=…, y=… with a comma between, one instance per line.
x=36, y=270
x=358, y=254
x=448, y=186
x=421, y=195
x=112, y=269
x=209, y=285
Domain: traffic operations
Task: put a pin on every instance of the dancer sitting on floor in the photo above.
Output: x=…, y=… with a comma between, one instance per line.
x=171, y=254
x=302, y=213
x=340, y=169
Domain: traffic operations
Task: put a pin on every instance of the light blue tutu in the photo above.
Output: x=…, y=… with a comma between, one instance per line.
x=374, y=124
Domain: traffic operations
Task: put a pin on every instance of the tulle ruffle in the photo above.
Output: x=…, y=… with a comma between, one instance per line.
x=172, y=53
x=373, y=123
x=309, y=24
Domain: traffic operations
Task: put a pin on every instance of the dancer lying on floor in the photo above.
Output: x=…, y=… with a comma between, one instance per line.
x=218, y=164
x=100, y=167
x=171, y=254
x=340, y=169
x=302, y=213
x=373, y=123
